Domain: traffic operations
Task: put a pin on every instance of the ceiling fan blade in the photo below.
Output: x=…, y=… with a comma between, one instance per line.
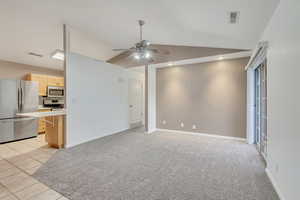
x=125, y=54
x=158, y=51
x=120, y=57
x=120, y=49
x=155, y=51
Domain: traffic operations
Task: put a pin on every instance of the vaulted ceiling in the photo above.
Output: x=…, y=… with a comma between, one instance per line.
x=35, y=25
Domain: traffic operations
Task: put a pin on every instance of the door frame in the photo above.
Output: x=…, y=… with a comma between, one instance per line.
x=261, y=108
x=141, y=83
x=251, y=104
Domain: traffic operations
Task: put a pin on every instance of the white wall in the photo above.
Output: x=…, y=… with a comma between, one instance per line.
x=87, y=45
x=283, y=34
x=97, y=99
x=151, y=99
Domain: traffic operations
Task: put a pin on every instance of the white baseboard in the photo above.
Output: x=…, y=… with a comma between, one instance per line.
x=204, y=134
x=69, y=145
x=270, y=176
x=152, y=131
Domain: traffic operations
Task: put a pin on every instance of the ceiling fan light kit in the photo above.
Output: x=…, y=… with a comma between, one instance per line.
x=142, y=55
x=137, y=56
x=141, y=51
x=147, y=55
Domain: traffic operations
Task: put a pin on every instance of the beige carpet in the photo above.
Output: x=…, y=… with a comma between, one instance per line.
x=158, y=166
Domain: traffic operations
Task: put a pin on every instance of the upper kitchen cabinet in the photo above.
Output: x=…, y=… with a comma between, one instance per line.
x=45, y=81
x=42, y=80
x=61, y=81
x=55, y=81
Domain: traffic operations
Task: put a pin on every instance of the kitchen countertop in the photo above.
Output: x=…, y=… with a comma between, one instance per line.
x=44, y=108
x=49, y=108
x=44, y=114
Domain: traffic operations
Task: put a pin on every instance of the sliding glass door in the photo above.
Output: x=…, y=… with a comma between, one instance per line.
x=261, y=109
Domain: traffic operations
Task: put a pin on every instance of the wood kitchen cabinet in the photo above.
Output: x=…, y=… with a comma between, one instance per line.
x=42, y=126
x=60, y=81
x=42, y=81
x=51, y=81
x=42, y=122
x=45, y=81
x=55, y=81
x=55, y=131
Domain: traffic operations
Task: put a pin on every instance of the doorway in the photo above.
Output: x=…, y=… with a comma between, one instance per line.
x=135, y=103
x=261, y=137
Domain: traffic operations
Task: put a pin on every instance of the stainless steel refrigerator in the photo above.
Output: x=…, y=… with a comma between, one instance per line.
x=17, y=96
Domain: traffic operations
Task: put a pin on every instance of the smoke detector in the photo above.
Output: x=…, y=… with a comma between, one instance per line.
x=234, y=17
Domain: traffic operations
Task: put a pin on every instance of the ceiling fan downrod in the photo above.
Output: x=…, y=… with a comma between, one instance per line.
x=141, y=23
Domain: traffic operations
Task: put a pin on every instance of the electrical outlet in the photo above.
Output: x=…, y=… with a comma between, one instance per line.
x=182, y=124
x=194, y=126
x=164, y=122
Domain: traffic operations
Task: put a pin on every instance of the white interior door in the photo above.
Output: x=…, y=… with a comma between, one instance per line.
x=135, y=100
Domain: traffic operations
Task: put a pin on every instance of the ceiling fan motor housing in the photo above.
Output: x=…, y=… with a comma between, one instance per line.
x=141, y=22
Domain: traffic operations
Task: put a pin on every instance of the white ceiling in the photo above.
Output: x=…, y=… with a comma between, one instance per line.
x=36, y=25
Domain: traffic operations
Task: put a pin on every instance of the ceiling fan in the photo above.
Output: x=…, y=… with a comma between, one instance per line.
x=141, y=51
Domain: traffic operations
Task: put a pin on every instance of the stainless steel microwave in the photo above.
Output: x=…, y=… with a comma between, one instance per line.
x=54, y=91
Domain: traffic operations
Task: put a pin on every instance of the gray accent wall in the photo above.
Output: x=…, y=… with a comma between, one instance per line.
x=210, y=96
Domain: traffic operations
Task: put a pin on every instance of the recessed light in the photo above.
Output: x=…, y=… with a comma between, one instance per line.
x=170, y=64
x=58, y=55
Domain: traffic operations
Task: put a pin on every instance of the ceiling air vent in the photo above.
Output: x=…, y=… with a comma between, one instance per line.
x=35, y=54
x=234, y=17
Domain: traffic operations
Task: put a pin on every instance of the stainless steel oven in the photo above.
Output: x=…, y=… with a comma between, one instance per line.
x=53, y=102
x=54, y=91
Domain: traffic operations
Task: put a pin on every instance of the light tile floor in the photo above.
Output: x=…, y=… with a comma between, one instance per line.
x=18, y=161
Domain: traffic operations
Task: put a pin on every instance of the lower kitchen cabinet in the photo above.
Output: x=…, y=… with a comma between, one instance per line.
x=42, y=122
x=55, y=131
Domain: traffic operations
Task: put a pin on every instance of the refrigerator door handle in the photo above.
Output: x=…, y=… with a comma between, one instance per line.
x=21, y=99
x=18, y=99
